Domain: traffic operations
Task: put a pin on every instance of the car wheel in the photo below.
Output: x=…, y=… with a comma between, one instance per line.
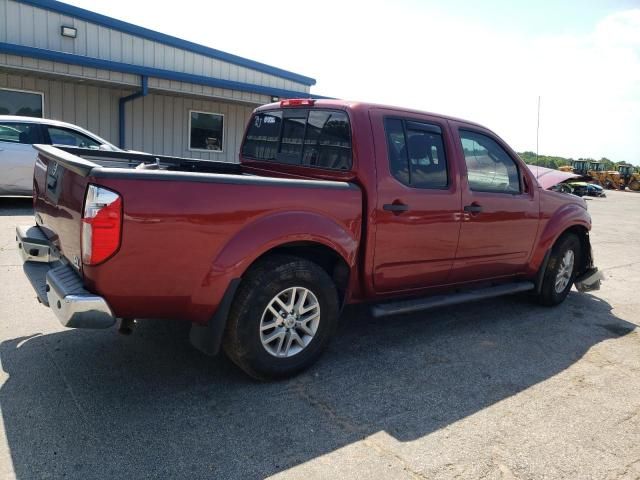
x=561, y=270
x=282, y=318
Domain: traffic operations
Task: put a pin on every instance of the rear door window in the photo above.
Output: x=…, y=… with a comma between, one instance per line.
x=416, y=153
x=307, y=137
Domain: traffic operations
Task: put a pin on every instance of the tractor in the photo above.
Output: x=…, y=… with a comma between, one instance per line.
x=629, y=177
x=580, y=167
x=599, y=174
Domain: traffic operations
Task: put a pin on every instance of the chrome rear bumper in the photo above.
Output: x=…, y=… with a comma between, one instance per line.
x=34, y=246
x=57, y=284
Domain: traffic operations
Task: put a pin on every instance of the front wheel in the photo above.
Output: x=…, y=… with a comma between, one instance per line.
x=282, y=318
x=561, y=270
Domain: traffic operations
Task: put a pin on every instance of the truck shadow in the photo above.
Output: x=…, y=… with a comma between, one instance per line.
x=10, y=206
x=91, y=404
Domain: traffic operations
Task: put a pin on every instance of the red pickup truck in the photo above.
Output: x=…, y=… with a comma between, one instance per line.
x=332, y=203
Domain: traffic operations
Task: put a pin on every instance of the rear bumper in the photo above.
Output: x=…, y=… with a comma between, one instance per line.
x=57, y=284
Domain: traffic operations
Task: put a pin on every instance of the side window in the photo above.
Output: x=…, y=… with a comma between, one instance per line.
x=396, y=149
x=489, y=166
x=64, y=136
x=416, y=153
x=19, y=133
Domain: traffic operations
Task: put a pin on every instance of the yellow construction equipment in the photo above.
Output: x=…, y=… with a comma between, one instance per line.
x=599, y=174
x=581, y=167
x=629, y=178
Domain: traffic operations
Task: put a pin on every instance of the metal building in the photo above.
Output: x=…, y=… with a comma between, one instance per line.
x=140, y=89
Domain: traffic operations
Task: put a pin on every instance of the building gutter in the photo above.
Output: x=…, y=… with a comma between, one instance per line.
x=144, y=91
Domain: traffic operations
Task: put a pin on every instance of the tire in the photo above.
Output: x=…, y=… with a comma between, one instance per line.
x=273, y=277
x=553, y=293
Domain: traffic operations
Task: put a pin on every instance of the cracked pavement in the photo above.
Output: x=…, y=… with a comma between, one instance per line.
x=496, y=389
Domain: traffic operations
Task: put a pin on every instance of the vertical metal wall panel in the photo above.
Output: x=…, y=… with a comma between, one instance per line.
x=4, y=19
x=89, y=106
x=157, y=123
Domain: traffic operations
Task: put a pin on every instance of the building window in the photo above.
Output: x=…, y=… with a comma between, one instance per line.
x=206, y=131
x=18, y=102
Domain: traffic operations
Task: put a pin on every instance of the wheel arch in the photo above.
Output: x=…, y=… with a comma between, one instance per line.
x=582, y=233
x=328, y=258
x=586, y=259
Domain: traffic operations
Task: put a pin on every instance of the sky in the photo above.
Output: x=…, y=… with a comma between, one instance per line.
x=484, y=61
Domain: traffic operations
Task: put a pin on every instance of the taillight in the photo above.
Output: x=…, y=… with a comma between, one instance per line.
x=297, y=102
x=101, y=225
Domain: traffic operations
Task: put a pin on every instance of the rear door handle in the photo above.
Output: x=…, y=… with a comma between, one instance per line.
x=395, y=207
x=473, y=208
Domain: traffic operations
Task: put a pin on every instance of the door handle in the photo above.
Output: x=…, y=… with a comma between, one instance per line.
x=395, y=207
x=473, y=208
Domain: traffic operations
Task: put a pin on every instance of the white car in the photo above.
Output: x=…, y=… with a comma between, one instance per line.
x=17, y=156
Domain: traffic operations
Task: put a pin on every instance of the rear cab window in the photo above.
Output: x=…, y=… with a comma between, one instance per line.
x=309, y=137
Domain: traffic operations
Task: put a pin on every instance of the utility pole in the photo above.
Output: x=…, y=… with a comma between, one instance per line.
x=538, y=129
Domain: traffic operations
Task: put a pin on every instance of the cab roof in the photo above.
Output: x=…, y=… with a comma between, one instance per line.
x=355, y=106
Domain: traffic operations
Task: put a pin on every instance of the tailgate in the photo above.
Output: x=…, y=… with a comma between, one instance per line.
x=60, y=183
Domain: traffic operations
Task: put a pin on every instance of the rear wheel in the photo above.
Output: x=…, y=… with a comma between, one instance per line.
x=282, y=318
x=561, y=270
x=635, y=185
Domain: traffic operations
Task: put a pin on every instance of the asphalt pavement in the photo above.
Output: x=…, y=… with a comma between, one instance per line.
x=496, y=389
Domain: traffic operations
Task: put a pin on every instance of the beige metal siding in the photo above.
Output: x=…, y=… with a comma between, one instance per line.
x=40, y=28
x=64, y=69
x=156, y=123
x=160, y=124
x=91, y=107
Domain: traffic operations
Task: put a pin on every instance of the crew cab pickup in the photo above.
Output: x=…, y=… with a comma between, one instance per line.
x=332, y=203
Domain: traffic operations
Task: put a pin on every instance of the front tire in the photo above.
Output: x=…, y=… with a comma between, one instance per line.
x=561, y=270
x=282, y=318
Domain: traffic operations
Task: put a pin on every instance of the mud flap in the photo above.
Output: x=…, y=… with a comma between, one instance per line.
x=208, y=338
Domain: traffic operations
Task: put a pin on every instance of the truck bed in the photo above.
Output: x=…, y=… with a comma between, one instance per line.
x=187, y=224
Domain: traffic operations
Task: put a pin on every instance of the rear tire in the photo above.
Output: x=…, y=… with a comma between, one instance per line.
x=274, y=299
x=566, y=256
